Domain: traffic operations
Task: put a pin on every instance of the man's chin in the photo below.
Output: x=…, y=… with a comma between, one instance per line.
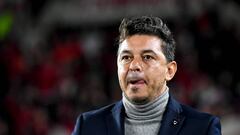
x=139, y=100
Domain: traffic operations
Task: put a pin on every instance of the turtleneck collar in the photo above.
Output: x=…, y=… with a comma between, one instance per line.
x=150, y=111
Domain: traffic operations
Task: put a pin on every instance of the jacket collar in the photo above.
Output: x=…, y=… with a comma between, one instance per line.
x=171, y=123
x=172, y=118
x=115, y=121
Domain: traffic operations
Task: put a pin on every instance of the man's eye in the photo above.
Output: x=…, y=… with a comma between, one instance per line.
x=126, y=57
x=147, y=57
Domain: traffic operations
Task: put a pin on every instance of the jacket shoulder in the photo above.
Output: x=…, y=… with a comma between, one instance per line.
x=100, y=112
x=192, y=121
x=204, y=123
x=86, y=120
x=187, y=110
x=195, y=114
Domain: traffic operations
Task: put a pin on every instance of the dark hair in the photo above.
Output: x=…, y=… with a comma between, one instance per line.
x=149, y=25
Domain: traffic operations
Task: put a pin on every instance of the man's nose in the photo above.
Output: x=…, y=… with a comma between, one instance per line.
x=136, y=65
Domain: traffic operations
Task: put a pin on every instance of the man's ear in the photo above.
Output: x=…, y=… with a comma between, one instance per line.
x=171, y=70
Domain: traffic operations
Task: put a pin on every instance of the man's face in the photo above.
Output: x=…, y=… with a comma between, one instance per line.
x=142, y=68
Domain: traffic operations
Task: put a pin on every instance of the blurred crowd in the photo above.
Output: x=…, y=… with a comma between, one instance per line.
x=52, y=71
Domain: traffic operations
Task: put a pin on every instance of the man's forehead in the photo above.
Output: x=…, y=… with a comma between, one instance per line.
x=140, y=43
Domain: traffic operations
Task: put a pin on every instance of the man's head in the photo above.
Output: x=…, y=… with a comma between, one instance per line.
x=145, y=58
x=149, y=25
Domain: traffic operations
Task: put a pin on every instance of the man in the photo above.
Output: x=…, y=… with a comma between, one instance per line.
x=145, y=63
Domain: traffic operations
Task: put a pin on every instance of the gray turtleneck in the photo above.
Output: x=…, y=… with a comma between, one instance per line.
x=144, y=119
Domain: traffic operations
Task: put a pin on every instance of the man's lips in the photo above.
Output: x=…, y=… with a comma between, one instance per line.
x=138, y=81
x=135, y=79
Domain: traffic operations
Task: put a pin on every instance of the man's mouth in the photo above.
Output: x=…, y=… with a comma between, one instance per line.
x=136, y=79
x=135, y=82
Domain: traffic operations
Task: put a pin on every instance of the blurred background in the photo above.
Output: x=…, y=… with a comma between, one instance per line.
x=58, y=59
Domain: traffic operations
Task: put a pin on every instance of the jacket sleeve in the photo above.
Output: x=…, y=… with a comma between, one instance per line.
x=214, y=127
x=78, y=125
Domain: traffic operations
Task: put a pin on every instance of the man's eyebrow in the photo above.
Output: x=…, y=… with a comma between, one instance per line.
x=142, y=52
x=148, y=51
x=124, y=51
